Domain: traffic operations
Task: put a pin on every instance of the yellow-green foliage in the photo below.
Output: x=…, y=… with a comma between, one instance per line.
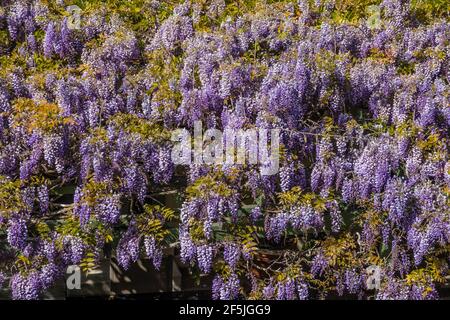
x=42, y=116
x=138, y=15
x=196, y=230
x=296, y=197
x=207, y=185
x=146, y=129
x=93, y=191
x=10, y=196
x=340, y=251
x=247, y=236
x=164, y=69
x=152, y=221
x=429, y=10
x=432, y=272
x=98, y=135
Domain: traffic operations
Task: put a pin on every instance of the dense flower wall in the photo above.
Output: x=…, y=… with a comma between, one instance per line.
x=361, y=101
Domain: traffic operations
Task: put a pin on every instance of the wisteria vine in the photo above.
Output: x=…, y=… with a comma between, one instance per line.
x=86, y=116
